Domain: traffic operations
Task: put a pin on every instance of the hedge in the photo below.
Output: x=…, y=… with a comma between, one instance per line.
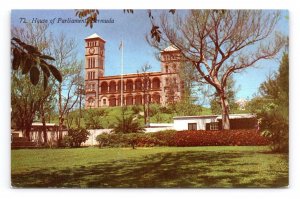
x=187, y=138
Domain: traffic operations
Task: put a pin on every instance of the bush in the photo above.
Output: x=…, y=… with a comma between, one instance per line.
x=111, y=140
x=75, y=137
x=128, y=125
x=118, y=140
x=185, y=139
x=219, y=138
x=275, y=127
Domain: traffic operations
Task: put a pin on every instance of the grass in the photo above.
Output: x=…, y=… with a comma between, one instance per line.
x=150, y=167
x=113, y=112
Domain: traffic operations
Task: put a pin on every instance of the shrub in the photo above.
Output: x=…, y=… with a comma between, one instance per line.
x=219, y=138
x=128, y=125
x=111, y=140
x=185, y=139
x=76, y=136
x=136, y=109
x=275, y=127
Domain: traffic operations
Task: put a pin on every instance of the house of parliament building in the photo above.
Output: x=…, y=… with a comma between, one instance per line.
x=154, y=87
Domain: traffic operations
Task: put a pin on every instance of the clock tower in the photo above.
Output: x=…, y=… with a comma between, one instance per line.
x=94, y=68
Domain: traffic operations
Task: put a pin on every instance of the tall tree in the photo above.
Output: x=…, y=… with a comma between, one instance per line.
x=144, y=74
x=231, y=91
x=63, y=50
x=30, y=101
x=219, y=43
x=272, y=107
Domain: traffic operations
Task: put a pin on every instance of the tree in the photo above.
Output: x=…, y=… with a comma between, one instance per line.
x=274, y=107
x=93, y=118
x=144, y=74
x=231, y=91
x=63, y=51
x=91, y=16
x=219, y=43
x=127, y=125
x=30, y=101
x=76, y=136
x=27, y=54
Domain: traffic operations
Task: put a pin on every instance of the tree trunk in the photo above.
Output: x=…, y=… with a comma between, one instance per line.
x=60, y=130
x=27, y=132
x=61, y=118
x=44, y=126
x=144, y=109
x=225, y=112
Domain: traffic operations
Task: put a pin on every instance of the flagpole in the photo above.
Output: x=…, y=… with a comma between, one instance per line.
x=122, y=73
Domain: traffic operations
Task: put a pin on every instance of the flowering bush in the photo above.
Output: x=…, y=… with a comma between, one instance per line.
x=189, y=138
x=219, y=138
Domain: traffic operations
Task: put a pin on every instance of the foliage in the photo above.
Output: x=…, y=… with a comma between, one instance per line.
x=215, y=102
x=218, y=50
x=76, y=136
x=128, y=124
x=273, y=107
x=118, y=140
x=184, y=139
x=186, y=107
x=275, y=127
x=219, y=138
x=29, y=102
x=94, y=118
x=91, y=17
x=136, y=109
x=29, y=59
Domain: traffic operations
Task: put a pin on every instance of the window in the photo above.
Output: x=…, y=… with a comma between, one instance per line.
x=104, y=101
x=214, y=126
x=192, y=126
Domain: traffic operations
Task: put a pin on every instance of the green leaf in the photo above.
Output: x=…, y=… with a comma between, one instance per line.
x=34, y=75
x=55, y=72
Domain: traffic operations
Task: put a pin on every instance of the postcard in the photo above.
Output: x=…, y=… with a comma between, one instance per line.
x=149, y=98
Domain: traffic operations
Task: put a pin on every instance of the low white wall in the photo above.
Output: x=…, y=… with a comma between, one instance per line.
x=95, y=132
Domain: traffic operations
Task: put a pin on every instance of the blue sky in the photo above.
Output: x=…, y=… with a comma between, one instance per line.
x=132, y=28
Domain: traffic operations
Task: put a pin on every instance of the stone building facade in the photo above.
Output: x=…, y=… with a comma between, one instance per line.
x=156, y=87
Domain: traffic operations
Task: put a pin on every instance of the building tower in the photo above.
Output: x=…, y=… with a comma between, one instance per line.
x=94, y=68
x=171, y=82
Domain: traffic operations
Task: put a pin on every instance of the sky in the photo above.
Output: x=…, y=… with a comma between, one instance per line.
x=132, y=29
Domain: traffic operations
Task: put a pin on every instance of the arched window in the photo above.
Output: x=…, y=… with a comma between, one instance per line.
x=129, y=85
x=112, y=87
x=104, y=87
x=138, y=85
x=156, y=83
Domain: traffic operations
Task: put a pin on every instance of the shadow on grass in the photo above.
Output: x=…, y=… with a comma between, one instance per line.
x=163, y=170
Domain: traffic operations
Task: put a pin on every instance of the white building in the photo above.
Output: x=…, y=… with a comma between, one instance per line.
x=213, y=122
x=193, y=122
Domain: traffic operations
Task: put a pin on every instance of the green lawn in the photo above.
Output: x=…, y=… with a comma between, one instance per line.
x=150, y=167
